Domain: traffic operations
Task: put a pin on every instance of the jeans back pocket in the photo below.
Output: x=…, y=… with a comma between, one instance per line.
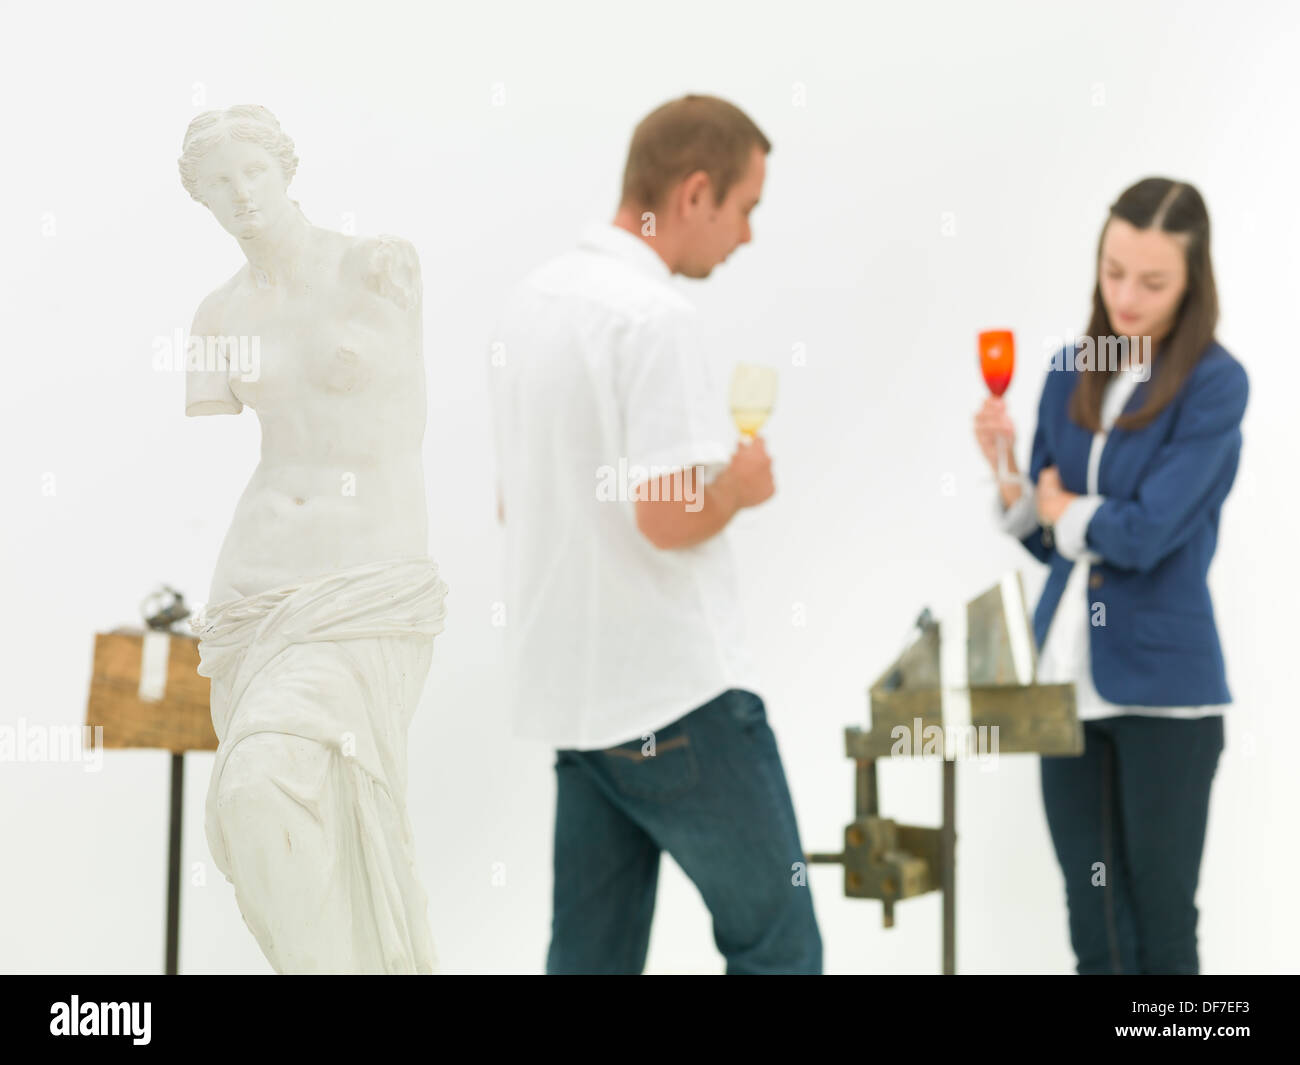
x=659, y=766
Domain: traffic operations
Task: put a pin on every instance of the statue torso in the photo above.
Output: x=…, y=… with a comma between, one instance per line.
x=335, y=373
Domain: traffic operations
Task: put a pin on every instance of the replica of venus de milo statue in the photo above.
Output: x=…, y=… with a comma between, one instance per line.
x=318, y=632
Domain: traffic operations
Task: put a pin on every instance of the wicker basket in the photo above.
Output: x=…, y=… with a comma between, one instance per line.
x=180, y=720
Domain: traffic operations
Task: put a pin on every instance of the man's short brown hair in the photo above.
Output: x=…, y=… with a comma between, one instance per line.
x=685, y=135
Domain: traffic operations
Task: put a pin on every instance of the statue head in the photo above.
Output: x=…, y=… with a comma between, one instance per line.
x=238, y=163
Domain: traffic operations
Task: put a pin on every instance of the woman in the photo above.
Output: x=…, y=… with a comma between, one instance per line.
x=1132, y=459
x=324, y=603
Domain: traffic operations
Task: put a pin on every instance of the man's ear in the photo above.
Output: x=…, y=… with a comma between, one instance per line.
x=695, y=189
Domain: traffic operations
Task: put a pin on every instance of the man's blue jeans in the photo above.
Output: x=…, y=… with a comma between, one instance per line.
x=713, y=795
x=1127, y=819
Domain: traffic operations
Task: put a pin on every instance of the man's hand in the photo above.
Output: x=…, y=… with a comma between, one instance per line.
x=748, y=477
x=671, y=520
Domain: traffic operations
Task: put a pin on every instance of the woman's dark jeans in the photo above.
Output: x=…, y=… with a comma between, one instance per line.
x=1127, y=819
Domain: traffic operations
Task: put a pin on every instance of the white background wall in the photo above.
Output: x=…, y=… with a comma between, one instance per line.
x=1022, y=120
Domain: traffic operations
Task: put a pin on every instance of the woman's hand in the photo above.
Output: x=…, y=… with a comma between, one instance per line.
x=992, y=421
x=1052, y=499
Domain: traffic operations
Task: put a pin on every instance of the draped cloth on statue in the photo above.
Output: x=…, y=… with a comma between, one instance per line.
x=313, y=687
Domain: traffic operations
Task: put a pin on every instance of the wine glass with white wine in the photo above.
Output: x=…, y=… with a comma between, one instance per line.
x=753, y=393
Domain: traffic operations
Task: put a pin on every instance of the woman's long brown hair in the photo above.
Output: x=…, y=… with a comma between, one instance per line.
x=1172, y=207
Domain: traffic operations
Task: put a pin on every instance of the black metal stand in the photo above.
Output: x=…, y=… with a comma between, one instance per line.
x=880, y=856
x=174, y=865
x=948, y=864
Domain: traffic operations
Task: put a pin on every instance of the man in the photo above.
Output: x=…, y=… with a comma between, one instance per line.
x=625, y=642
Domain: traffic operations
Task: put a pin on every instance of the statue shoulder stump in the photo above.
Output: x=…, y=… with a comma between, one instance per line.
x=389, y=267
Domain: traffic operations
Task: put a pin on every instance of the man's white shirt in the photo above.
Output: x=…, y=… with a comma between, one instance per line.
x=599, y=383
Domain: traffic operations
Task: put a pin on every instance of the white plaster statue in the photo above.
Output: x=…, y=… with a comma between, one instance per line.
x=319, y=628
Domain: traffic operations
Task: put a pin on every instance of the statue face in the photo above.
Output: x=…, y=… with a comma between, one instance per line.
x=244, y=187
